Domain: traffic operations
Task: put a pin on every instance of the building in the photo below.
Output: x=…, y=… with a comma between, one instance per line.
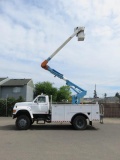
x=16, y=88
x=3, y=80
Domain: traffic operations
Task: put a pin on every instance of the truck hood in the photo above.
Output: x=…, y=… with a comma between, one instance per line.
x=23, y=104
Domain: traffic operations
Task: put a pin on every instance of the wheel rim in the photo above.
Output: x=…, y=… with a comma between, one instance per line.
x=80, y=123
x=22, y=123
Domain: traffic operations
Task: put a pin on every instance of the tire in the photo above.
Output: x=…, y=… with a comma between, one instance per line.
x=79, y=123
x=23, y=122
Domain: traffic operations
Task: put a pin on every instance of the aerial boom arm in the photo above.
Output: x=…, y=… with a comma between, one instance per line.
x=79, y=32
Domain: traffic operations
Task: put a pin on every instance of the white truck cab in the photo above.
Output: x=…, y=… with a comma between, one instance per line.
x=41, y=110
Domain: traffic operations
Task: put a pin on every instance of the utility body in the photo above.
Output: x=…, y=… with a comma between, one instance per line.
x=42, y=110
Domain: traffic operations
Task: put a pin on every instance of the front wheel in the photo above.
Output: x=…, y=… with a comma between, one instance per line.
x=79, y=123
x=23, y=122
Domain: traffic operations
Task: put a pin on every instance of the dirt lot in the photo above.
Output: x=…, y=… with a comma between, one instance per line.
x=60, y=142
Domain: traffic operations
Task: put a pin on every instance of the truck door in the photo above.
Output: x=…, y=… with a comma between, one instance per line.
x=43, y=105
x=40, y=105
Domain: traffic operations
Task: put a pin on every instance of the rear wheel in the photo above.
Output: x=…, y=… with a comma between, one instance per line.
x=23, y=122
x=79, y=123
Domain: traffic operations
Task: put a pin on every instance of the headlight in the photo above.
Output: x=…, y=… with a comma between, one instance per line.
x=14, y=110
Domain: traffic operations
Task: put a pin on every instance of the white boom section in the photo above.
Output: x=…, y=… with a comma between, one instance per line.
x=78, y=31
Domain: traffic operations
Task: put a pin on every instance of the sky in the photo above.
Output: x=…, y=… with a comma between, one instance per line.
x=31, y=30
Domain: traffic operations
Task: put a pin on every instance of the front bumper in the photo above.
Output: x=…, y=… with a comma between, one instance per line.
x=13, y=116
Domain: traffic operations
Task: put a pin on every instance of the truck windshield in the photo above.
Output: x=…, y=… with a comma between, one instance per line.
x=41, y=100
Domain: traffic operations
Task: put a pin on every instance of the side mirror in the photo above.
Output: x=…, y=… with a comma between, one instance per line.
x=36, y=101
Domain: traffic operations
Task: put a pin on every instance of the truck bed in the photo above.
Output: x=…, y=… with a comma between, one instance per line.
x=65, y=112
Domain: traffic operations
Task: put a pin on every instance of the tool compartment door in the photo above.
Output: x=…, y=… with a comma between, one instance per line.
x=58, y=112
x=95, y=112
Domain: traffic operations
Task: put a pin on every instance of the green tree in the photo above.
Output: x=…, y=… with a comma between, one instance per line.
x=46, y=88
x=105, y=95
x=117, y=95
x=10, y=102
x=95, y=94
x=2, y=107
x=63, y=94
x=20, y=99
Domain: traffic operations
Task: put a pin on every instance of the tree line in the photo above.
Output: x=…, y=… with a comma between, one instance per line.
x=63, y=94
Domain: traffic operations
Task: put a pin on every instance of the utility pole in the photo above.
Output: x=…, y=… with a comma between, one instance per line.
x=6, y=105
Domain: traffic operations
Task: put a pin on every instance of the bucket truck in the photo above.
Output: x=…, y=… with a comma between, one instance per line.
x=42, y=110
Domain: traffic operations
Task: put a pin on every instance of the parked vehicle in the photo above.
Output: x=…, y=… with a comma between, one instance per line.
x=42, y=110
